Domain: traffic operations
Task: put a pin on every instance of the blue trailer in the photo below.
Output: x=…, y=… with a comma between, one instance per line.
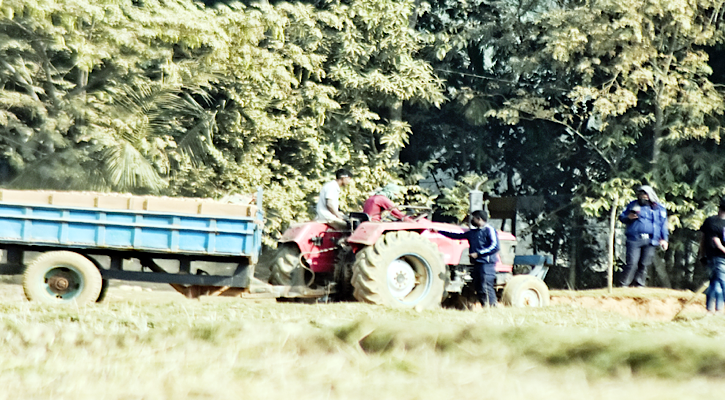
x=81, y=240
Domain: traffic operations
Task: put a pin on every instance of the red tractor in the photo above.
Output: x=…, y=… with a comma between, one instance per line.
x=397, y=264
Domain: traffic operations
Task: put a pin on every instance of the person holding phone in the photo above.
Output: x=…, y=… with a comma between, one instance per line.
x=646, y=222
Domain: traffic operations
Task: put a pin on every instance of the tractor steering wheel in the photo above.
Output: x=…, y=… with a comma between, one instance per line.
x=387, y=216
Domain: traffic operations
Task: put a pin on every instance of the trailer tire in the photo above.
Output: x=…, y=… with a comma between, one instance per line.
x=62, y=277
x=525, y=291
x=104, y=284
x=402, y=269
x=287, y=268
x=104, y=291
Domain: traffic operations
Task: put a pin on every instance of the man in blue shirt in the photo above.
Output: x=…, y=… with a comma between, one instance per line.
x=646, y=221
x=483, y=250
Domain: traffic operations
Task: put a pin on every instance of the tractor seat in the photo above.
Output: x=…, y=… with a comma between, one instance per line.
x=356, y=218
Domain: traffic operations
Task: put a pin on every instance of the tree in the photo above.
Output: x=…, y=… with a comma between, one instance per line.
x=482, y=49
x=631, y=83
x=85, y=86
x=604, y=95
x=336, y=69
x=170, y=97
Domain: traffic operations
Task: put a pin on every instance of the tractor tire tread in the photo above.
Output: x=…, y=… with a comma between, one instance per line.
x=513, y=291
x=286, y=261
x=371, y=263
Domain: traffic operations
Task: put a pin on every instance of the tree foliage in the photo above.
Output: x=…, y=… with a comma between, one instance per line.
x=601, y=96
x=173, y=98
x=629, y=80
x=95, y=94
x=578, y=101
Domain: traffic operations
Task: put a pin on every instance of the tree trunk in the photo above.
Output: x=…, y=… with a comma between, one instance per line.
x=659, y=111
x=396, y=115
x=662, y=276
x=682, y=271
x=610, y=244
x=413, y=17
x=657, y=130
x=571, y=282
x=396, y=109
x=575, y=254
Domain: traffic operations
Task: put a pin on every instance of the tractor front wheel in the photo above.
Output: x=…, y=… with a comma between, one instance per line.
x=402, y=269
x=525, y=291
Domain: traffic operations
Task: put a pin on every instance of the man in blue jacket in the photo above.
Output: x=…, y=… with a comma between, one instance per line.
x=483, y=251
x=646, y=221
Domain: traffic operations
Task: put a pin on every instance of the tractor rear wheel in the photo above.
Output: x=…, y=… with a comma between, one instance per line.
x=525, y=291
x=287, y=268
x=402, y=269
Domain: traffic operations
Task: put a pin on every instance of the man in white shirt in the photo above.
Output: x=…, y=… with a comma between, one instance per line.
x=328, y=205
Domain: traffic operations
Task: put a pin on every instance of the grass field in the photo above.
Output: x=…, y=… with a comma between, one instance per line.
x=159, y=345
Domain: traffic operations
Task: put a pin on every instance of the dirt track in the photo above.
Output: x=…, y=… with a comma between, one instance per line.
x=648, y=303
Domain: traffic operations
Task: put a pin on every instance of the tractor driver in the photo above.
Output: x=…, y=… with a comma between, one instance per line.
x=328, y=205
x=381, y=201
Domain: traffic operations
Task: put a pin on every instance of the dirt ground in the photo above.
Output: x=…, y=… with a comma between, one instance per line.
x=648, y=303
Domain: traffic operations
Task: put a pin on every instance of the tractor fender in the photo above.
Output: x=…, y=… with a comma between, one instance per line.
x=369, y=232
x=302, y=232
x=316, y=241
x=455, y=252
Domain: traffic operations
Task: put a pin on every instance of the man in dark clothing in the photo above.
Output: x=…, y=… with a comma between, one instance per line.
x=712, y=245
x=483, y=250
x=646, y=221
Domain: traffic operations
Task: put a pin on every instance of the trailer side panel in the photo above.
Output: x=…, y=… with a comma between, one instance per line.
x=130, y=230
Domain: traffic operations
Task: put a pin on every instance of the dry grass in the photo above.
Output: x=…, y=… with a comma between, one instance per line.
x=142, y=345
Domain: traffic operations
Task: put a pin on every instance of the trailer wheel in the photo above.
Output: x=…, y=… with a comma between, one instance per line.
x=104, y=291
x=287, y=268
x=402, y=269
x=105, y=283
x=62, y=277
x=525, y=291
